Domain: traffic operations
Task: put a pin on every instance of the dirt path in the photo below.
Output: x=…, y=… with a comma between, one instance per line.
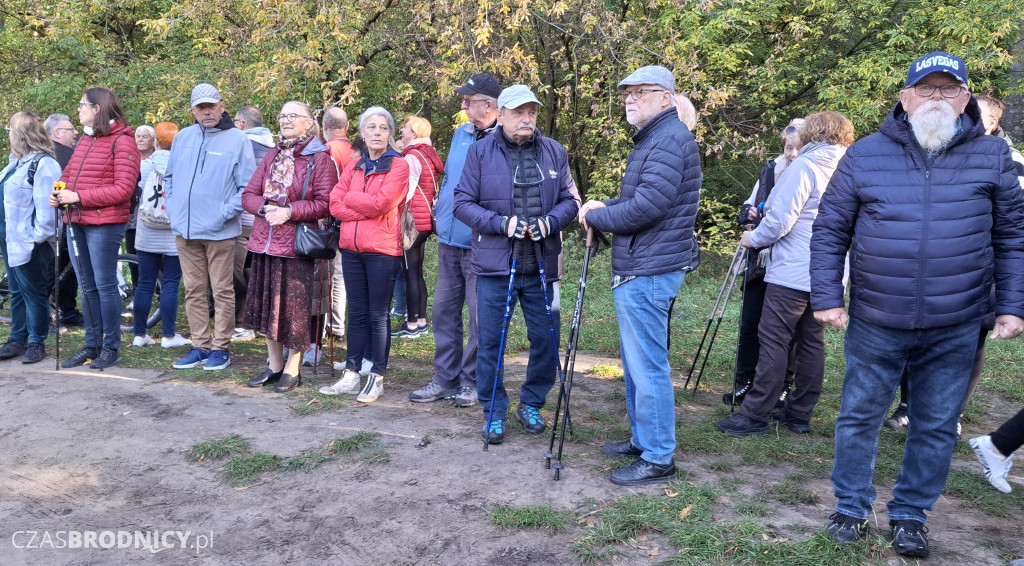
x=88, y=451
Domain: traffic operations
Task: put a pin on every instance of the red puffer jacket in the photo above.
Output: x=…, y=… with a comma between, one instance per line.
x=422, y=201
x=369, y=205
x=280, y=240
x=104, y=171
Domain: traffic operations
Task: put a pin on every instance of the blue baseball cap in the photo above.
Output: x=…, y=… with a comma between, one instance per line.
x=937, y=62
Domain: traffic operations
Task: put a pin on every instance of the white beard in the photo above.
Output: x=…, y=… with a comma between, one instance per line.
x=934, y=125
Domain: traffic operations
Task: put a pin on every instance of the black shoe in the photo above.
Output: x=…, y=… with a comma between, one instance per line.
x=736, y=396
x=268, y=376
x=845, y=528
x=738, y=424
x=35, y=353
x=106, y=359
x=80, y=357
x=908, y=538
x=642, y=472
x=12, y=349
x=530, y=417
x=799, y=426
x=288, y=382
x=73, y=318
x=899, y=419
x=494, y=432
x=619, y=449
x=781, y=403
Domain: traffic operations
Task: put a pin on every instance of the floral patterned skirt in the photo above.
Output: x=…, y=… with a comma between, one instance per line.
x=278, y=302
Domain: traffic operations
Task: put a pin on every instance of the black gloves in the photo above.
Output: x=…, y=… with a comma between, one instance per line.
x=539, y=228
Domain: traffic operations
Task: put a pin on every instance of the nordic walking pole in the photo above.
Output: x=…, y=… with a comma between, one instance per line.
x=538, y=250
x=56, y=284
x=504, y=335
x=570, y=360
x=721, y=313
x=711, y=317
x=743, y=301
x=60, y=186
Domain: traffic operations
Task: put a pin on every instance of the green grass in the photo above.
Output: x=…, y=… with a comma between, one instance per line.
x=354, y=443
x=791, y=492
x=242, y=470
x=219, y=448
x=530, y=517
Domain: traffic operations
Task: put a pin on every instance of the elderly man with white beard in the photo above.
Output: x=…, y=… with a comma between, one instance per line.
x=931, y=214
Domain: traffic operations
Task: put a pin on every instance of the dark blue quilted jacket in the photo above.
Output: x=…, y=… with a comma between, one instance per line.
x=653, y=218
x=927, y=236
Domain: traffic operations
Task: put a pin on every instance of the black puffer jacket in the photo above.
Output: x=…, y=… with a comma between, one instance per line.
x=927, y=235
x=653, y=218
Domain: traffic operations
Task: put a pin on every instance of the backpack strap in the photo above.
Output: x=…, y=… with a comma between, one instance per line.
x=32, y=168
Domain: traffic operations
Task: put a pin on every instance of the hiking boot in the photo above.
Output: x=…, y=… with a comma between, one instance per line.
x=81, y=356
x=373, y=389
x=348, y=384
x=621, y=449
x=738, y=424
x=781, y=403
x=432, y=392
x=467, y=396
x=12, y=349
x=799, y=426
x=899, y=419
x=34, y=353
x=218, y=360
x=175, y=341
x=143, y=340
x=531, y=419
x=736, y=396
x=642, y=472
x=996, y=466
x=845, y=528
x=107, y=358
x=908, y=538
x=194, y=357
x=494, y=432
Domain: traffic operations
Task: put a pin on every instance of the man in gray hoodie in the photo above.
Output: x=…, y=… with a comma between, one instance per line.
x=210, y=164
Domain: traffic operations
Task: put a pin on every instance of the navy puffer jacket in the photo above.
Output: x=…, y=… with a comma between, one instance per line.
x=653, y=218
x=927, y=236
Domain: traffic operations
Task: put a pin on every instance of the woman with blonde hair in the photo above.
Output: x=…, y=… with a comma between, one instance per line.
x=27, y=227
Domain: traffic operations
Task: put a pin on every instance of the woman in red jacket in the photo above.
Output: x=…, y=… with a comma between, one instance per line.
x=290, y=187
x=425, y=170
x=368, y=200
x=100, y=180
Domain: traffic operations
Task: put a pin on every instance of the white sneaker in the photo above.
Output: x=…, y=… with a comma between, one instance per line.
x=366, y=368
x=348, y=384
x=372, y=390
x=242, y=335
x=175, y=342
x=143, y=340
x=996, y=466
x=307, y=357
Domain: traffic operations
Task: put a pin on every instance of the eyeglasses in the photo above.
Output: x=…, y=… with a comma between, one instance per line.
x=82, y=105
x=638, y=93
x=7, y=128
x=470, y=101
x=291, y=117
x=525, y=181
x=948, y=91
x=72, y=130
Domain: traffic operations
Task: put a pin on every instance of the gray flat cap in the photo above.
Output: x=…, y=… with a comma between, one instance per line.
x=205, y=94
x=650, y=75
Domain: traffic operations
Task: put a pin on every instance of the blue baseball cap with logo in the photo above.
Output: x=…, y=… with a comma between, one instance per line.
x=937, y=62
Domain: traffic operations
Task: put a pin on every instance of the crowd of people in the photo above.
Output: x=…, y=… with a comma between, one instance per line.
x=923, y=223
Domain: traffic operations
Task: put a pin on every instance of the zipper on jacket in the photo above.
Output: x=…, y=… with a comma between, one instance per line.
x=632, y=242
x=925, y=225
x=188, y=206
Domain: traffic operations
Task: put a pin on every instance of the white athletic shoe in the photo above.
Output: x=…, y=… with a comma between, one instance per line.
x=364, y=370
x=996, y=466
x=348, y=384
x=176, y=341
x=143, y=340
x=372, y=390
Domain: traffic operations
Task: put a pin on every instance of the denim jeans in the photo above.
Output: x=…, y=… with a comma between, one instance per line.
x=938, y=363
x=642, y=306
x=454, y=364
x=369, y=284
x=96, y=268
x=149, y=265
x=30, y=306
x=491, y=293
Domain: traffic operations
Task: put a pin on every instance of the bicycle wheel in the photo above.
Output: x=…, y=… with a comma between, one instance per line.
x=126, y=288
x=5, y=295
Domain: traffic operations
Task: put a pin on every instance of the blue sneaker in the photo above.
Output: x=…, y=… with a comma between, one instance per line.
x=218, y=360
x=194, y=357
x=494, y=432
x=530, y=417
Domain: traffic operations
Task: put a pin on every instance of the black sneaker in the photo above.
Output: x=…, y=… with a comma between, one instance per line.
x=12, y=349
x=80, y=357
x=73, y=318
x=35, y=353
x=908, y=538
x=799, y=426
x=845, y=528
x=738, y=424
x=531, y=419
x=106, y=359
x=494, y=432
x=642, y=472
x=899, y=418
x=735, y=397
x=621, y=449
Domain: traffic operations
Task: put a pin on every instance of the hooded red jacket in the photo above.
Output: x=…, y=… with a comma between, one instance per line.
x=369, y=205
x=104, y=171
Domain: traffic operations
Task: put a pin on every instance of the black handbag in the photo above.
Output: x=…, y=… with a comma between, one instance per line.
x=315, y=242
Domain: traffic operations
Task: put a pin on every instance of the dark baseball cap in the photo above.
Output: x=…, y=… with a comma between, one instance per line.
x=937, y=62
x=481, y=83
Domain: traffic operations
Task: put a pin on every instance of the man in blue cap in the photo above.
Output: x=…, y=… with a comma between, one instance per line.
x=931, y=214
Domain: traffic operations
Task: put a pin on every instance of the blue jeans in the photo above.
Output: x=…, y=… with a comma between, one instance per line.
x=150, y=265
x=96, y=268
x=938, y=363
x=642, y=306
x=400, y=306
x=369, y=283
x=30, y=306
x=491, y=293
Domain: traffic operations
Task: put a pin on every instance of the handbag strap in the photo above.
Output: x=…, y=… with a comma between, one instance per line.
x=426, y=162
x=305, y=182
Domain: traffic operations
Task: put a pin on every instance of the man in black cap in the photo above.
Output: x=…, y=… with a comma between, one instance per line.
x=931, y=214
x=455, y=365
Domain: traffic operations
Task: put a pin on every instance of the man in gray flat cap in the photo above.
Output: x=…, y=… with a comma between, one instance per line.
x=654, y=247
x=516, y=193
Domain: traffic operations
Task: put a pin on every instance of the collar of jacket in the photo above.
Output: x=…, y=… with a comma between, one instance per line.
x=312, y=146
x=226, y=123
x=482, y=133
x=897, y=127
x=511, y=144
x=665, y=115
x=383, y=162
